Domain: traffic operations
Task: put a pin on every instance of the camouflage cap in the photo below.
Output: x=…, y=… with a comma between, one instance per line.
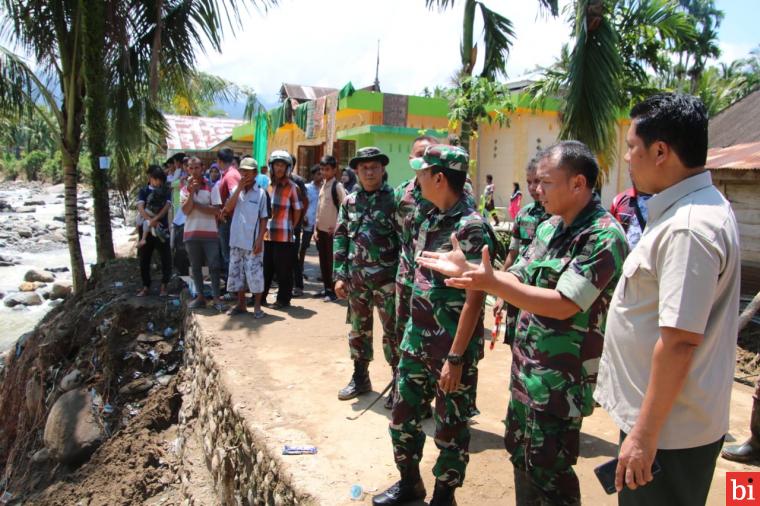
x=248, y=163
x=367, y=154
x=444, y=156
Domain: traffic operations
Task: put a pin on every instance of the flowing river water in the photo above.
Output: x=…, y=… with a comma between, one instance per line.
x=44, y=250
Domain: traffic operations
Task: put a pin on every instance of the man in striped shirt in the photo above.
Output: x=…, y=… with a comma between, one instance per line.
x=279, y=242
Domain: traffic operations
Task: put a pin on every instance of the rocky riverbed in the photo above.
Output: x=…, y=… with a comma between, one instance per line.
x=33, y=240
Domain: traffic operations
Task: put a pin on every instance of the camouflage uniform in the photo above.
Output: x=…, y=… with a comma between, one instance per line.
x=366, y=250
x=428, y=336
x=555, y=362
x=523, y=231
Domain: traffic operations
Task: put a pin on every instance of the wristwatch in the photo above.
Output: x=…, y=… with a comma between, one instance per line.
x=454, y=359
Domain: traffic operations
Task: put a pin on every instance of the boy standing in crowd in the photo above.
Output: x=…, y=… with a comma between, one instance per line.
x=248, y=207
x=330, y=197
x=279, y=253
x=366, y=258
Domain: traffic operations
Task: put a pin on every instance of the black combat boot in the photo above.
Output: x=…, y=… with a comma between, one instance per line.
x=526, y=493
x=359, y=383
x=410, y=488
x=443, y=495
x=394, y=391
x=749, y=451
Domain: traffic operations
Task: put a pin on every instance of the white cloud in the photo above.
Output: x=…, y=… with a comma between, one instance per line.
x=331, y=42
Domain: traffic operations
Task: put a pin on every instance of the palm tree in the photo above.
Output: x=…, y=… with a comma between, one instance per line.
x=615, y=43
x=497, y=41
x=54, y=34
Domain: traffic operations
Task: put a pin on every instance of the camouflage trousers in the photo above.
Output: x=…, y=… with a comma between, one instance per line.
x=403, y=307
x=361, y=300
x=546, y=447
x=417, y=386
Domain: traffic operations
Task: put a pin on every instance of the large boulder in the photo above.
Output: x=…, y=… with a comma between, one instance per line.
x=72, y=432
x=39, y=275
x=60, y=290
x=30, y=286
x=23, y=299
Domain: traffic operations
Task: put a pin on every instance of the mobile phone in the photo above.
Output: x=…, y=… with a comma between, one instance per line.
x=606, y=474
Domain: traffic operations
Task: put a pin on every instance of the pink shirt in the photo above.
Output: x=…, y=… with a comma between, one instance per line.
x=228, y=183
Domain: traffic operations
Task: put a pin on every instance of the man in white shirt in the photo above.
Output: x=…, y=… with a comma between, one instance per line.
x=667, y=368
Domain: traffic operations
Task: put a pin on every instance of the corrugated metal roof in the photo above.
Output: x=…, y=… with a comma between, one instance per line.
x=740, y=157
x=738, y=123
x=197, y=133
x=300, y=92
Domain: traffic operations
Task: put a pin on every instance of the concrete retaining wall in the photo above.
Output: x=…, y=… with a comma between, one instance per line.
x=243, y=470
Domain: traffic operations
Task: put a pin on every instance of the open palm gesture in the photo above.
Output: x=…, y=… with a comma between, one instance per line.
x=462, y=274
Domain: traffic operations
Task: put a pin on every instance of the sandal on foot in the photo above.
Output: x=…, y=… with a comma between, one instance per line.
x=196, y=304
x=142, y=293
x=235, y=310
x=259, y=314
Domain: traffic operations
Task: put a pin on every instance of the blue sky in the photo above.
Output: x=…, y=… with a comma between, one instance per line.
x=331, y=42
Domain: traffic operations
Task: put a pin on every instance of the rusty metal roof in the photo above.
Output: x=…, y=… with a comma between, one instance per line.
x=739, y=157
x=196, y=132
x=302, y=93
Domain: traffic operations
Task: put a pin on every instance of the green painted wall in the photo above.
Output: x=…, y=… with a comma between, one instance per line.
x=363, y=100
x=421, y=106
x=395, y=145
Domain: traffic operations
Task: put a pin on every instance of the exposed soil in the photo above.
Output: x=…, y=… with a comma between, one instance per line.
x=128, y=350
x=748, y=354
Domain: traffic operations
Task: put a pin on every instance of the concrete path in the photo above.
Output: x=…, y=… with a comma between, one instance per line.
x=285, y=370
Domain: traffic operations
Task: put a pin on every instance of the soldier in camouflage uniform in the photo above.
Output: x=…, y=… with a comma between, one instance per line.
x=443, y=341
x=411, y=210
x=523, y=231
x=365, y=260
x=563, y=285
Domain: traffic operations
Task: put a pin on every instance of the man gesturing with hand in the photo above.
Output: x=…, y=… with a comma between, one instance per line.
x=563, y=286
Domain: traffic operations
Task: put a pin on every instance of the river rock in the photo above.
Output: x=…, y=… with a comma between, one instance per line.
x=60, y=290
x=34, y=203
x=30, y=286
x=136, y=386
x=39, y=275
x=71, y=431
x=41, y=456
x=24, y=232
x=23, y=299
x=25, y=209
x=6, y=261
x=58, y=269
x=62, y=219
x=71, y=381
x=34, y=394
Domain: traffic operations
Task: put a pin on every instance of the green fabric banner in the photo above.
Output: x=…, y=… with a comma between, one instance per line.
x=260, y=135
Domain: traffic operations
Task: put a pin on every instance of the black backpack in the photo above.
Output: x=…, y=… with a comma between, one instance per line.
x=334, y=192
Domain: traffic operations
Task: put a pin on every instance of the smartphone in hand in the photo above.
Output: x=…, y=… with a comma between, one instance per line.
x=606, y=474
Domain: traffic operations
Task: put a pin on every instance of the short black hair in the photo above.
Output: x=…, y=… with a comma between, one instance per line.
x=178, y=157
x=328, y=160
x=678, y=120
x=533, y=163
x=575, y=157
x=226, y=155
x=489, y=177
x=237, y=160
x=156, y=172
x=455, y=178
x=314, y=168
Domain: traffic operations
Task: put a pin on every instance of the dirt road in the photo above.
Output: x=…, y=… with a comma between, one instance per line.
x=285, y=371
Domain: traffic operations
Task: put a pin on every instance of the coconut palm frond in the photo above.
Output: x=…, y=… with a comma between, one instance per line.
x=441, y=5
x=498, y=35
x=550, y=5
x=593, y=78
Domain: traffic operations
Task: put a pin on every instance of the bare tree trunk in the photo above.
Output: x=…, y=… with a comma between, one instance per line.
x=97, y=120
x=78, y=276
x=749, y=312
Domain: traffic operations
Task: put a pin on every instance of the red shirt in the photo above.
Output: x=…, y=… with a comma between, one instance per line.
x=228, y=183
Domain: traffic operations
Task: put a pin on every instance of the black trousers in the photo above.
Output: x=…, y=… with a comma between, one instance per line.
x=325, y=248
x=279, y=258
x=684, y=480
x=303, y=240
x=181, y=262
x=146, y=253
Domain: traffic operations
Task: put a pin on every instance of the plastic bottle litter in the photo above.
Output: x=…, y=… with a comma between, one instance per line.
x=168, y=332
x=108, y=409
x=151, y=327
x=356, y=493
x=299, y=450
x=118, y=284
